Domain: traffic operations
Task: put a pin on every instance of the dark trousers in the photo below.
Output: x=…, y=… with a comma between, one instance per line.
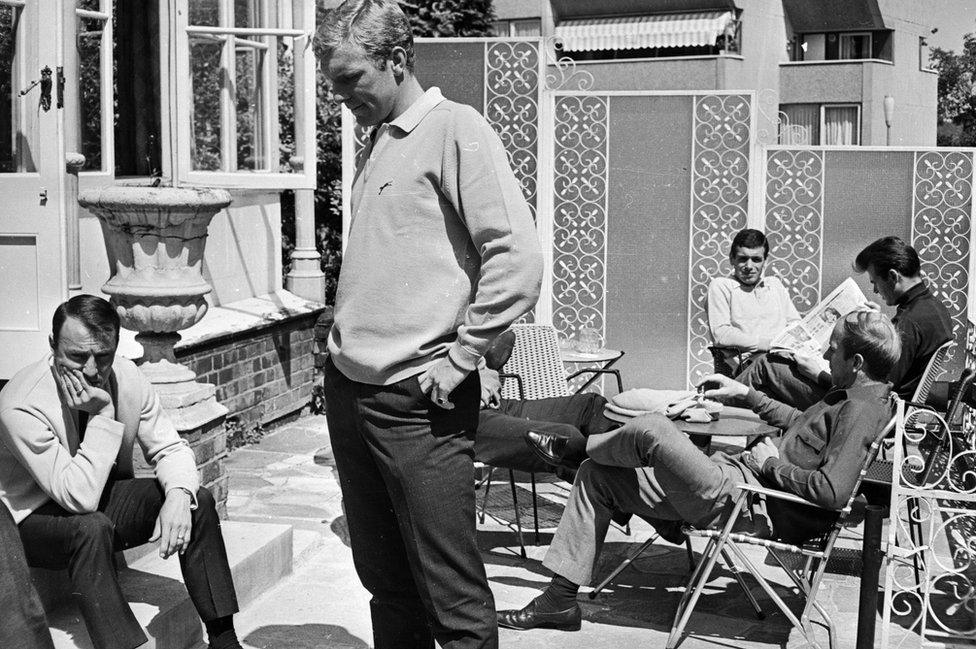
x=85, y=544
x=22, y=621
x=779, y=378
x=501, y=432
x=407, y=477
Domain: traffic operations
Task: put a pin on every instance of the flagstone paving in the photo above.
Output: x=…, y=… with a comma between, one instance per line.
x=288, y=477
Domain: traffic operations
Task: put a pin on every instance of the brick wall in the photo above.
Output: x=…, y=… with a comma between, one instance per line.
x=261, y=374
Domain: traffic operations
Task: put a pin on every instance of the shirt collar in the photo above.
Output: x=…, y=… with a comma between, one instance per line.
x=911, y=295
x=418, y=110
x=760, y=284
x=865, y=392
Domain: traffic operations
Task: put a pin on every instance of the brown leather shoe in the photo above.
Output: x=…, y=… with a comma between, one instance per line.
x=529, y=618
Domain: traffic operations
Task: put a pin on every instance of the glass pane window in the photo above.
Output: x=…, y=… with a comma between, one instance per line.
x=799, y=124
x=238, y=74
x=841, y=125
x=527, y=27
x=204, y=12
x=207, y=82
x=8, y=96
x=89, y=39
x=855, y=46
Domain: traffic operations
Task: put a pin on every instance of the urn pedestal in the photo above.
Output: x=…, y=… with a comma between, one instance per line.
x=155, y=239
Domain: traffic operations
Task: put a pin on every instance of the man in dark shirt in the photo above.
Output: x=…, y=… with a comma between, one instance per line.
x=922, y=321
x=650, y=468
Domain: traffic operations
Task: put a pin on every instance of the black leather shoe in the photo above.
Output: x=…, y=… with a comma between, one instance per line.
x=528, y=618
x=548, y=448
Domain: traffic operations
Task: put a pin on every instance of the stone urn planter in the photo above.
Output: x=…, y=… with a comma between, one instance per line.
x=155, y=239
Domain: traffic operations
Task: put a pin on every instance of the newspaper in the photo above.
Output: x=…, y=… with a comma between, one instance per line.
x=811, y=335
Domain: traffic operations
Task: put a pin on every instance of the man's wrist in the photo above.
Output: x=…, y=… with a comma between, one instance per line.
x=189, y=495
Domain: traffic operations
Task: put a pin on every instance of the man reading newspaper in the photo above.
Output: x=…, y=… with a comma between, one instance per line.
x=796, y=376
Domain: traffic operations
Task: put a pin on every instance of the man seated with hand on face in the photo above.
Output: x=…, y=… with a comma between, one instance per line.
x=650, y=468
x=68, y=426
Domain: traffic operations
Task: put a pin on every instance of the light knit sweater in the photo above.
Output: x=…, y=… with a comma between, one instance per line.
x=41, y=460
x=442, y=253
x=748, y=317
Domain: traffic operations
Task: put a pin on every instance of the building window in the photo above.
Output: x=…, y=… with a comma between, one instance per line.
x=924, y=54
x=244, y=118
x=854, y=46
x=527, y=27
x=820, y=124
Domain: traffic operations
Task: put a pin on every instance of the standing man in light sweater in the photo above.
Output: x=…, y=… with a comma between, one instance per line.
x=746, y=310
x=441, y=257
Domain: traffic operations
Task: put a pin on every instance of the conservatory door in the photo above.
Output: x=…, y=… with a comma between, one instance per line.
x=32, y=281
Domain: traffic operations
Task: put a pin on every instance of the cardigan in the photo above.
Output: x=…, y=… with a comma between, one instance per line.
x=41, y=459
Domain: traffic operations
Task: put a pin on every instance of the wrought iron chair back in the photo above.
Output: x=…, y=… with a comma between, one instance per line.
x=536, y=362
x=933, y=370
x=725, y=543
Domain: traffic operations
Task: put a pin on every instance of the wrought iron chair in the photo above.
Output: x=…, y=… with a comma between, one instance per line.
x=535, y=370
x=721, y=354
x=816, y=552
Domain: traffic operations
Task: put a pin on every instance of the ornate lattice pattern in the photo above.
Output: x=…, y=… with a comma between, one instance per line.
x=941, y=227
x=794, y=222
x=512, y=107
x=579, y=214
x=719, y=207
x=934, y=522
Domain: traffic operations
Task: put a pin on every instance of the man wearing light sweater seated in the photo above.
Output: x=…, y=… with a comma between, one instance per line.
x=68, y=427
x=441, y=257
x=746, y=310
x=650, y=468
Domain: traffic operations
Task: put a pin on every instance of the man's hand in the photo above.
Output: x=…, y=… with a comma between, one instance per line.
x=174, y=524
x=872, y=306
x=761, y=451
x=79, y=394
x=728, y=388
x=439, y=381
x=809, y=365
x=491, y=388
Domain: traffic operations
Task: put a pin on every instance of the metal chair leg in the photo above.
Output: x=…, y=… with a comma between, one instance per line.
x=535, y=508
x=484, y=498
x=760, y=615
x=623, y=566
x=695, y=586
x=518, y=518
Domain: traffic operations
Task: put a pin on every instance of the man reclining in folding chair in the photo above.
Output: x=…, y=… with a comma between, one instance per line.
x=922, y=321
x=650, y=468
x=508, y=429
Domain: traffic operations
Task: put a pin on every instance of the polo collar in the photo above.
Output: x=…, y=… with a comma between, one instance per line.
x=418, y=110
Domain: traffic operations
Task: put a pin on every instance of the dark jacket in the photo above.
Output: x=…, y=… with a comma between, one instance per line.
x=821, y=453
x=924, y=325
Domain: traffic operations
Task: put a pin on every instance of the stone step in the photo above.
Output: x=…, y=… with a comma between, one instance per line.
x=260, y=555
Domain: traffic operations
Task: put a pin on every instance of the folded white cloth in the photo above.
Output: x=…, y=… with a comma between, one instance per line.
x=649, y=400
x=625, y=412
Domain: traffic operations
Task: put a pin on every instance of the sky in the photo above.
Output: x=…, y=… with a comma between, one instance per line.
x=954, y=18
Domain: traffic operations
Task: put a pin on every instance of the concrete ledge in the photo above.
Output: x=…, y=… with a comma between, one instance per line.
x=260, y=555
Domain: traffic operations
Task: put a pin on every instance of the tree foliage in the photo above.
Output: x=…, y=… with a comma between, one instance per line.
x=957, y=93
x=429, y=18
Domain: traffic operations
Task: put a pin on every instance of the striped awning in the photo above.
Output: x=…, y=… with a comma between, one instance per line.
x=635, y=32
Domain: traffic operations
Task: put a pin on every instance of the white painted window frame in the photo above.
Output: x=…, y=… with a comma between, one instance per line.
x=106, y=79
x=842, y=35
x=301, y=14
x=823, y=121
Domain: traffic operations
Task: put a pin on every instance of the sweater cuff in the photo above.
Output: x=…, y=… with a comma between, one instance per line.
x=104, y=434
x=463, y=358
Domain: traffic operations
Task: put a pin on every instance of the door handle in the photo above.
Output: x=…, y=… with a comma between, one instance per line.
x=46, y=88
x=45, y=83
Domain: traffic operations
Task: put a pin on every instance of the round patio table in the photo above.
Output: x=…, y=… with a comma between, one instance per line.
x=731, y=422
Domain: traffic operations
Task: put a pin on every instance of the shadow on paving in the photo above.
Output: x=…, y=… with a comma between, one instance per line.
x=646, y=595
x=303, y=636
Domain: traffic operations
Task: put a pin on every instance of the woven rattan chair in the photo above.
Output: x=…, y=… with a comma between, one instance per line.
x=816, y=552
x=535, y=370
